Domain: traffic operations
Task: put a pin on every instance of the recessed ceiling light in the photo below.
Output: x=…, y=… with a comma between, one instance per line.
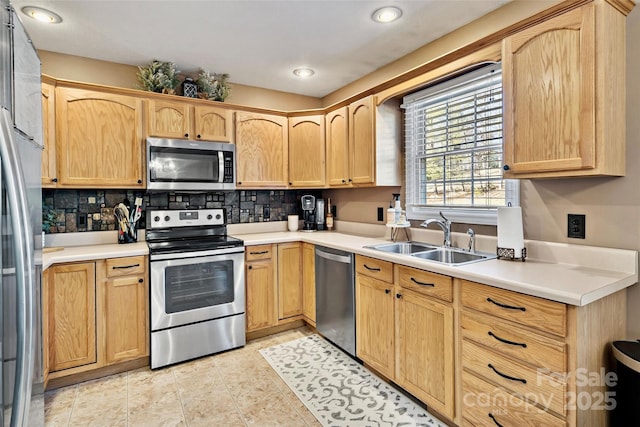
x=303, y=72
x=386, y=14
x=42, y=15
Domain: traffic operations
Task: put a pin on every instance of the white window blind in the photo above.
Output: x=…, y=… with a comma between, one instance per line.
x=453, y=133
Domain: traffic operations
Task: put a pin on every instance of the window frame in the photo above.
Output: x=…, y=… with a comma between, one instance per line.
x=463, y=214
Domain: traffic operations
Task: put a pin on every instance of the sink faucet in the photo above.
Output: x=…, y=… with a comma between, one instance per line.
x=445, y=224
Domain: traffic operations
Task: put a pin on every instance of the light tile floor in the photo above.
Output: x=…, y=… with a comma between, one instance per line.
x=235, y=388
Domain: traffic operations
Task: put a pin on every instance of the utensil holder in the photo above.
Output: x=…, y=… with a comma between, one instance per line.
x=129, y=236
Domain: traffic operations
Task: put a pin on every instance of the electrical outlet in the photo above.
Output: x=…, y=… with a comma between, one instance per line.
x=576, y=226
x=380, y=214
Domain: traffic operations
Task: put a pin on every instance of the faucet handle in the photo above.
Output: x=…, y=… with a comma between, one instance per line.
x=446, y=220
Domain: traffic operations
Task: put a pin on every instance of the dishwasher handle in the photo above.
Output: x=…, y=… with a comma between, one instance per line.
x=333, y=257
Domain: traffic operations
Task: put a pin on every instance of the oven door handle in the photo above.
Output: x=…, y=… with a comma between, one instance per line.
x=183, y=255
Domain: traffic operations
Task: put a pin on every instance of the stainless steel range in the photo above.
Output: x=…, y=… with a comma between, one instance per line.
x=197, y=285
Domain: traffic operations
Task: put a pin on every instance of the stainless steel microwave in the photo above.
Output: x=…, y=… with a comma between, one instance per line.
x=181, y=165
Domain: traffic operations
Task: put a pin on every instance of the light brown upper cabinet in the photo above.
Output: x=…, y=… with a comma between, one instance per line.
x=307, y=151
x=182, y=120
x=99, y=141
x=564, y=95
x=261, y=150
x=337, y=132
x=49, y=177
x=362, y=143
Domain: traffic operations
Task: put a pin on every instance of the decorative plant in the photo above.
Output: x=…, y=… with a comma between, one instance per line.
x=48, y=219
x=213, y=86
x=158, y=76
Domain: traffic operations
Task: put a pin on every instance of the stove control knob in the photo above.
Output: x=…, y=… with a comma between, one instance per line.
x=156, y=218
x=166, y=218
x=218, y=216
x=209, y=217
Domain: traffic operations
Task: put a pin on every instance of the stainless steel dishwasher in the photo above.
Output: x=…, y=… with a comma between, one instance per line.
x=335, y=297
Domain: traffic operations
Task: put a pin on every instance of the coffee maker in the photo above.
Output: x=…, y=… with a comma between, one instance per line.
x=309, y=212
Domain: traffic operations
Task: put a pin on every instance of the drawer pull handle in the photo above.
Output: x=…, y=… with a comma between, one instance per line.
x=417, y=282
x=509, y=307
x=116, y=267
x=522, y=380
x=494, y=420
x=502, y=340
x=371, y=268
x=259, y=253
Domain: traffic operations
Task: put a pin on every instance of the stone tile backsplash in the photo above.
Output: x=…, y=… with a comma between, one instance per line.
x=68, y=211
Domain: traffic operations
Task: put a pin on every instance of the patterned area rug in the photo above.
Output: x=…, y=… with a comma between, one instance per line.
x=338, y=390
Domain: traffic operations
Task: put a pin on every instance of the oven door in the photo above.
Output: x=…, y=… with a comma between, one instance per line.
x=196, y=287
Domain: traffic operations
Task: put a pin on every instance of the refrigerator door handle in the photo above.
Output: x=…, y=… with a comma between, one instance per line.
x=24, y=263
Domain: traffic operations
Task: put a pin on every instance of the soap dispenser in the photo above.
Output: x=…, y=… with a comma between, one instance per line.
x=397, y=209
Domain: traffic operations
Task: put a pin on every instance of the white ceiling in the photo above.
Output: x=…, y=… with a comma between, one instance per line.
x=257, y=42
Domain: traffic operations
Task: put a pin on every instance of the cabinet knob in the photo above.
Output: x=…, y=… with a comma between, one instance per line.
x=54, y=180
x=198, y=136
x=290, y=183
x=350, y=180
x=387, y=291
x=186, y=135
x=239, y=183
x=505, y=167
x=250, y=267
x=140, y=280
x=344, y=182
x=398, y=296
x=139, y=181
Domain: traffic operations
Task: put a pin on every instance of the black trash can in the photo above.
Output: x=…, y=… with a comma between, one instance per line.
x=627, y=390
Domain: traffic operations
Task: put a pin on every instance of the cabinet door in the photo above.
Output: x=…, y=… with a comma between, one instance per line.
x=337, y=133
x=306, y=151
x=309, y=282
x=71, y=311
x=123, y=315
x=548, y=75
x=362, y=125
x=213, y=123
x=375, y=325
x=425, y=350
x=261, y=150
x=261, y=295
x=49, y=177
x=169, y=119
x=99, y=139
x=289, y=280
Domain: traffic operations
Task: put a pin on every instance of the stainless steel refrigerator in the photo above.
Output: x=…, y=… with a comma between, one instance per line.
x=22, y=394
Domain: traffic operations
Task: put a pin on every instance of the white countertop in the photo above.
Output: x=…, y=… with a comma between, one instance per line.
x=571, y=274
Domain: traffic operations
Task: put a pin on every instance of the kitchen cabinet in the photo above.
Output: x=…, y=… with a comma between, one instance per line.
x=337, y=139
x=307, y=151
x=558, y=72
x=261, y=150
x=181, y=119
x=530, y=354
x=405, y=329
x=49, y=174
x=71, y=308
x=260, y=287
x=99, y=142
x=362, y=142
x=289, y=280
x=122, y=311
x=96, y=316
x=309, y=283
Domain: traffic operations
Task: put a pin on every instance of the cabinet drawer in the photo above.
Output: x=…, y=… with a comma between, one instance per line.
x=539, y=313
x=513, y=341
x=378, y=269
x=424, y=282
x=258, y=252
x=486, y=405
x=125, y=266
x=515, y=377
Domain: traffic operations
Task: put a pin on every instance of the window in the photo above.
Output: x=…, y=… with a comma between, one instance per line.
x=453, y=135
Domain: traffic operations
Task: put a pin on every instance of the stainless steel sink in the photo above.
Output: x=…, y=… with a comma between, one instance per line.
x=453, y=256
x=449, y=256
x=403, y=247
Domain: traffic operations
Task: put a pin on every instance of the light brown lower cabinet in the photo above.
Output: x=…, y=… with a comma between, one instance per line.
x=309, y=283
x=96, y=314
x=289, y=280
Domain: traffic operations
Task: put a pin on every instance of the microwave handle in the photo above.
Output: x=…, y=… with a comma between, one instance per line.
x=220, y=166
